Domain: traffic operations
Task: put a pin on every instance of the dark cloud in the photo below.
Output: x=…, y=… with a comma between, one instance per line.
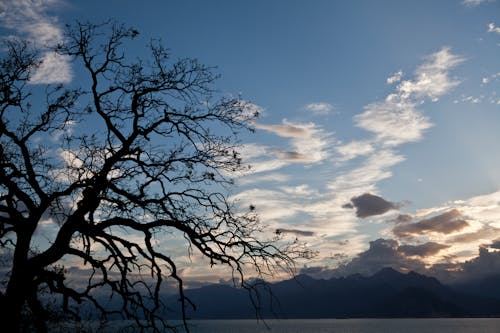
x=495, y=244
x=318, y=272
x=381, y=253
x=484, y=265
x=422, y=250
x=295, y=232
x=369, y=205
x=402, y=218
x=389, y=253
x=286, y=130
x=484, y=233
x=292, y=156
x=445, y=223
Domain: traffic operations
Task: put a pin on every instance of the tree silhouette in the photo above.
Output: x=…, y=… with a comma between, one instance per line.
x=142, y=148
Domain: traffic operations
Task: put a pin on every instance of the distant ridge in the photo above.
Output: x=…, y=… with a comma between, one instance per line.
x=386, y=294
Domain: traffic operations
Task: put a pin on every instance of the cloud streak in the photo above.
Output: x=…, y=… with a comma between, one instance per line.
x=354, y=149
x=295, y=232
x=309, y=143
x=473, y=3
x=422, y=250
x=393, y=121
x=445, y=223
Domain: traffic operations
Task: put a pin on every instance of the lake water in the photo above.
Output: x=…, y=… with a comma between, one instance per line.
x=440, y=325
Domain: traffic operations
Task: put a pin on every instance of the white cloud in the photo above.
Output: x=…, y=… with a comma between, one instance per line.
x=493, y=28
x=265, y=164
x=396, y=77
x=364, y=178
x=432, y=78
x=320, y=108
x=29, y=19
x=393, y=122
x=271, y=205
x=308, y=143
x=396, y=120
x=263, y=178
x=354, y=149
x=250, y=110
x=55, y=68
x=303, y=190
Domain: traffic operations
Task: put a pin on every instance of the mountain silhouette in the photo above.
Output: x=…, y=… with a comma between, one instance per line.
x=387, y=294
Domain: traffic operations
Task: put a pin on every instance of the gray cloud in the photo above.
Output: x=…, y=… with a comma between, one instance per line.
x=369, y=205
x=286, y=130
x=484, y=233
x=422, y=250
x=295, y=232
x=484, y=265
x=292, y=156
x=381, y=253
x=495, y=244
x=318, y=272
x=402, y=218
x=389, y=253
x=445, y=223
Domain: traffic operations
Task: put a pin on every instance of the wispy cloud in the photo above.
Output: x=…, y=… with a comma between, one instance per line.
x=319, y=108
x=469, y=99
x=396, y=120
x=273, y=206
x=423, y=250
x=487, y=79
x=473, y=3
x=310, y=144
x=296, y=232
x=432, y=78
x=29, y=20
x=263, y=178
x=354, y=149
x=364, y=178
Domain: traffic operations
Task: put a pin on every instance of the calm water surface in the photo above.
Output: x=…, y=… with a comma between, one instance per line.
x=350, y=326
x=441, y=325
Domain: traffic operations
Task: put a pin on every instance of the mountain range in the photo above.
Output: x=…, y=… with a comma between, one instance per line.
x=386, y=294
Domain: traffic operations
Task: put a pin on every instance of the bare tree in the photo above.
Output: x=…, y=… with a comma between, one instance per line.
x=143, y=147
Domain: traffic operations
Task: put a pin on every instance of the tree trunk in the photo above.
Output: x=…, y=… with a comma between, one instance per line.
x=18, y=288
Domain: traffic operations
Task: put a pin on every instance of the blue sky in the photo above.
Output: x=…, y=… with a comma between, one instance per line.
x=371, y=110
